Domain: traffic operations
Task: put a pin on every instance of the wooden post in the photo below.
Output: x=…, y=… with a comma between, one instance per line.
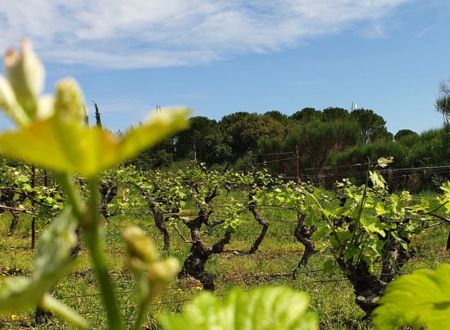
x=98, y=117
x=33, y=218
x=297, y=161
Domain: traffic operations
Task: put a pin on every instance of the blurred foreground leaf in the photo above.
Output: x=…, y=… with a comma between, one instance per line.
x=52, y=262
x=67, y=146
x=421, y=299
x=280, y=308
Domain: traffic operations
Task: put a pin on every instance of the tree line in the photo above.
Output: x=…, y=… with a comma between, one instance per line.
x=332, y=137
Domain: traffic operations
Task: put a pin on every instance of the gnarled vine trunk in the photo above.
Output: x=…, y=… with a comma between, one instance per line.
x=263, y=222
x=160, y=223
x=7, y=198
x=369, y=287
x=303, y=234
x=195, y=263
x=158, y=216
x=108, y=191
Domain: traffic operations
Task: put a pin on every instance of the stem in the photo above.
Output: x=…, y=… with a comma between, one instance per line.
x=16, y=209
x=440, y=217
x=33, y=232
x=361, y=207
x=72, y=195
x=437, y=224
x=330, y=223
x=146, y=296
x=94, y=241
x=143, y=307
x=51, y=304
x=436, y=208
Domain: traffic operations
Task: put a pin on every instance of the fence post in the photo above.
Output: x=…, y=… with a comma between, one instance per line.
x=33, y=218
x=297, y=161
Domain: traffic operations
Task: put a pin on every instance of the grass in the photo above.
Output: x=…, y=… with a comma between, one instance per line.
x=331, y=295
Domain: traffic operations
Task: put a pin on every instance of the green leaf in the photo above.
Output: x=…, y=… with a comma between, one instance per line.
x=329, y=266
x=352, y=251
x=379, y=209
x=51, y=263
x=327, y=213
x=280, y=308
x=372, y=225
x=421, y=299
x=385, y=161
x=403, y=244
x=87, y=151
x=377, y=179
x=446, y=188
x=406, y=196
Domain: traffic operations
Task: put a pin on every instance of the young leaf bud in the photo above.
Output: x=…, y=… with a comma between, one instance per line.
x=9, y=103
x=161, y=273
x=26, y=75
x=135, y=264
x=139, y=245
x=69, y=103
x=46, y=107
x=7, y=97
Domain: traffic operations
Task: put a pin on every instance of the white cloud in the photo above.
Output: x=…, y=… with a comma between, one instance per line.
x=372, y=31
x=159, y=33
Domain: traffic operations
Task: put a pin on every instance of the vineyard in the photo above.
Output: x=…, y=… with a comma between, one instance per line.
x=230, y=229
x=89, y=242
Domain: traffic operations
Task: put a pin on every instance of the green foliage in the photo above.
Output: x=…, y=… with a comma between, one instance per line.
x=443, y=106
x=359, y=154
x=306, y=115
x=433, y=148
x=245, y=129
x=443, y=102
x=278, y=308
x=445, y=198
x=277, y=115
x=421, y=299
x=164, y=192
x=330, y=137
x=335, y=113
x=52, y=262
x=372, y=126
x=404, y=133
x=375, y=218
x=317, y=139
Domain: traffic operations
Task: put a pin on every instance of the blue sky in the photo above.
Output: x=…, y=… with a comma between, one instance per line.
x=220, y=57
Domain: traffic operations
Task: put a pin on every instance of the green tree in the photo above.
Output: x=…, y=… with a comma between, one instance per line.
x=433, y=148
x=306, y=115
x=360, y=153
x=318, y=139
x=160, y=155
x=371, y=126
x=443, y=102
x=334, y=113
x=204, y=141
x=244, y=129
x=277, y=115
x=401, y=134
